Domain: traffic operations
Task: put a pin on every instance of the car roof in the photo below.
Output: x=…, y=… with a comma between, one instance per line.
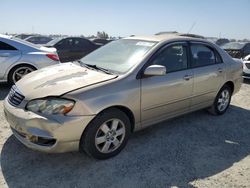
x=56, y=40
x=35, y=36
x=166, y=37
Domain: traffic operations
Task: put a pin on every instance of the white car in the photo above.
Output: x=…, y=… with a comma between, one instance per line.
x=19, y=57
x=246, y=67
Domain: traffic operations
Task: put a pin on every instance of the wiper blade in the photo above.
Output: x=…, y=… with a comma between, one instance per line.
x=96, y=67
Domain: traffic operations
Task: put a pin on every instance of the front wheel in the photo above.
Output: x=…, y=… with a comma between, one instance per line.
x=222, y=101
x=106, y=135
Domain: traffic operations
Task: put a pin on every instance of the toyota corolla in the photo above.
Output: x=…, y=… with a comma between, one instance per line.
x=118, y=89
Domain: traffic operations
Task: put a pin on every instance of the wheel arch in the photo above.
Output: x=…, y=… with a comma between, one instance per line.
x=125, y=110
x=122, y=108
x=230, y=84
x=16, y=66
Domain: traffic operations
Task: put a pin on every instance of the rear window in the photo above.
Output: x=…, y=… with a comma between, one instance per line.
x=5, y=46
x=27, y=43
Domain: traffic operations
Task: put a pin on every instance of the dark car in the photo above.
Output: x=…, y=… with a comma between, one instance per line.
x=237, y=49
x=38, y=39
x=222, y=42
x=101, y=41
x=72, y=48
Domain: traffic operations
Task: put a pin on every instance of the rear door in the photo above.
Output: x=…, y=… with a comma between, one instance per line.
x=168, y=95
x=209, y=74
x=8, y=55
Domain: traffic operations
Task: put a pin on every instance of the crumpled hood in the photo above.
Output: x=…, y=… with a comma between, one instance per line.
x=59, y=79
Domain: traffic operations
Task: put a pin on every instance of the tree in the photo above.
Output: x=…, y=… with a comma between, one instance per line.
x=102, y=35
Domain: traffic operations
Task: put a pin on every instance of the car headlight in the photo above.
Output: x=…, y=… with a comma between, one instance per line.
x=51, y=106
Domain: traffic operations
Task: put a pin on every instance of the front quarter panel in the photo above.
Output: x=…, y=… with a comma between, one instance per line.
x=123, y=92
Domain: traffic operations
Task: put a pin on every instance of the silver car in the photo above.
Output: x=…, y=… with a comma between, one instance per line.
x=18, y=58
x=246, y=67
x=118, y=89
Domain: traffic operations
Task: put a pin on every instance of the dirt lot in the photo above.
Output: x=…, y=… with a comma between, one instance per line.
x=195, y=150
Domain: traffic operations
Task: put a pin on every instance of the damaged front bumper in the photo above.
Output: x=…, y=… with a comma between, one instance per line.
x=52, y=135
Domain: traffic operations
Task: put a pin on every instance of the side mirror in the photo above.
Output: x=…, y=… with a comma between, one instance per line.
x=155, y=70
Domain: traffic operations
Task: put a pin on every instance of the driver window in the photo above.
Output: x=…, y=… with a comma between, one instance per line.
x=174, y=58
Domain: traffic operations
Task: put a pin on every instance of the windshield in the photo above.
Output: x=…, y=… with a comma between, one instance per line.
x=233, y=45
x=119, y=56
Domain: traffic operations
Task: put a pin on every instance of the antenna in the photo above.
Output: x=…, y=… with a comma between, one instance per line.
x=191, y=27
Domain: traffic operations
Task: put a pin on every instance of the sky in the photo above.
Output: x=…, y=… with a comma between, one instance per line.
x=213, y=18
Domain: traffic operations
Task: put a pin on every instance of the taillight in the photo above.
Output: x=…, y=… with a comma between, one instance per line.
x=53, y=57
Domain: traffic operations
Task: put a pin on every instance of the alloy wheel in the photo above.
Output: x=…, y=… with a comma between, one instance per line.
x=21, y=72
x=110, y=135
x=223, y=100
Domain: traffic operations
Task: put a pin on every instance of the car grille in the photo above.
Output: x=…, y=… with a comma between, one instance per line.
x=15, y=98
x=248, y=65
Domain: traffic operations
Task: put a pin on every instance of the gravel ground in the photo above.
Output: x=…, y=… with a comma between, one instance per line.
x=195, y=150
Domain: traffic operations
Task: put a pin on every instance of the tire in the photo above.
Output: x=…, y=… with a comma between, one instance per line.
x=22, y=70
x=222, y=101
x=106, y=135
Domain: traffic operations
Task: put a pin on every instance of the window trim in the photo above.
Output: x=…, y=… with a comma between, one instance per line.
x=190, y=43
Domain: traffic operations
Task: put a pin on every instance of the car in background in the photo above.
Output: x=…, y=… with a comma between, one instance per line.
x=219, y=42
x=222, y=41
x=5, y=36
x=23, y=36
x=246, y=67
x=100, y=41
x=237, y=49
x=72, y=48
x=38, y=39
x=118, y=89
x=19, y=57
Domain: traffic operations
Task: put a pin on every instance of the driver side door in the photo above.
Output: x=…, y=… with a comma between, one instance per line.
x=166, y=96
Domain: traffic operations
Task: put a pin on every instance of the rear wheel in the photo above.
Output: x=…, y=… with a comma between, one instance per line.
x=106, y=135
x=222, y=101
x=18, y=72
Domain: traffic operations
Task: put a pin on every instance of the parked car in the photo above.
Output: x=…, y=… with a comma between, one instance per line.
x=23, y=36
x=120, y=88
x=72, y=48
x=222, y=41
x=246, y=67
x=237, y=49
x=38, y=39
x=100, y=41
x=5, y=36
x=18, y=58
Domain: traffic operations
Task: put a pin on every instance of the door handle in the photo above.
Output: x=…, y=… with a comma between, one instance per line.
x=220, y=70
x=187, y=77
